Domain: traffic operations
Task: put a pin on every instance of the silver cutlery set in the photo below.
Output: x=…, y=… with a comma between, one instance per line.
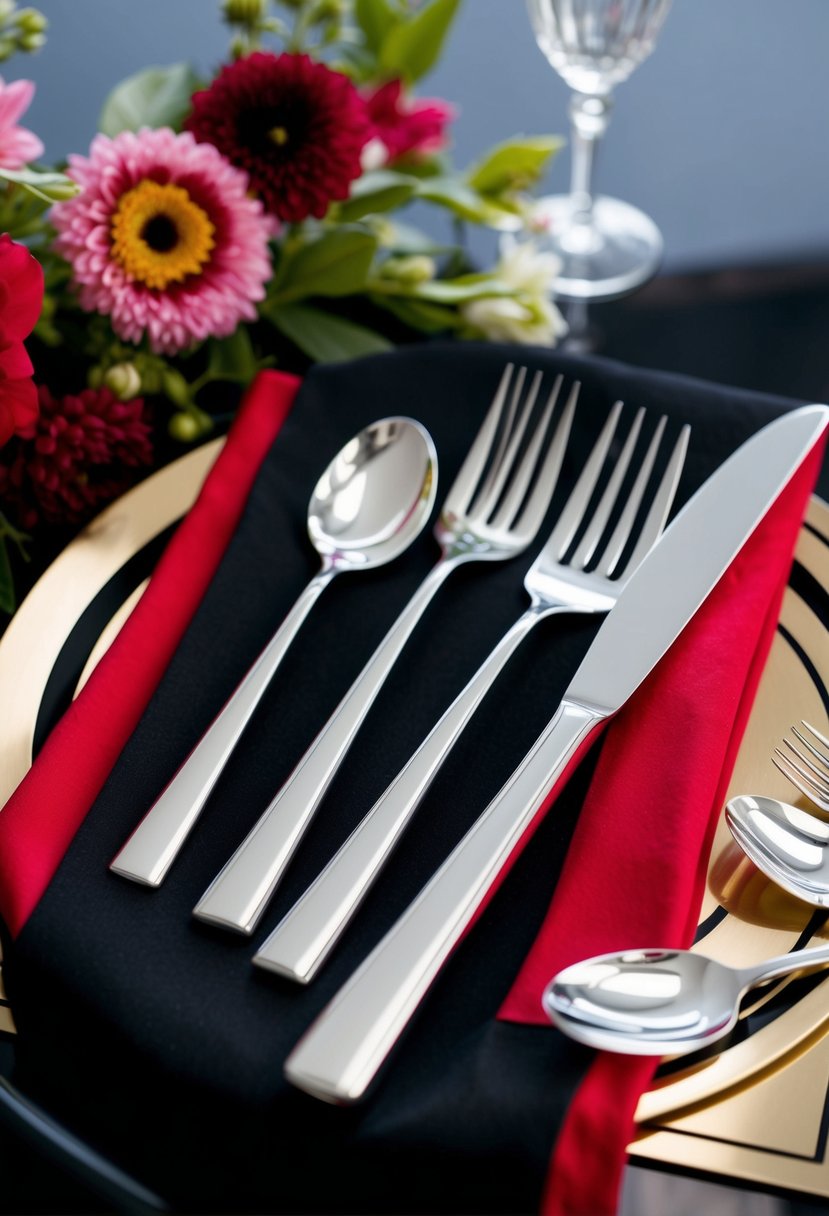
x=609, y=552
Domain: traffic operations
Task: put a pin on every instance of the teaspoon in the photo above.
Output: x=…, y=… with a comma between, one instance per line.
x=659, y=1002
x=789, y=845
x=369, y=505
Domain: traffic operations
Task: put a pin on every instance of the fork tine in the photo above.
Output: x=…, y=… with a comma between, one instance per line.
x=535, y=508
x=820, y=738
x=469, y=474
x=824, y=760
x=598, y=521
x=803, y=765
x=502, y=466
x=803, y=783
x=655, y=520
x=573, y=511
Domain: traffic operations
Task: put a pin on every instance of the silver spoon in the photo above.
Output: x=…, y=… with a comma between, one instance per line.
x=789, y=845
x=659, y=1002
x=369, y=505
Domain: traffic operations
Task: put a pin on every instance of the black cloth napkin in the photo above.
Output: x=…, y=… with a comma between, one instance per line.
x=152, y=1035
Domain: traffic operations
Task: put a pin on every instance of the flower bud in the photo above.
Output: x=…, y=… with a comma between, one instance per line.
x=244, y=12
x=95, y=377
x=184, y=427
x=123, y=379
x=417, y=268
x=175, y=387
x=31, y=42
x=329, y=10
x=31, y=21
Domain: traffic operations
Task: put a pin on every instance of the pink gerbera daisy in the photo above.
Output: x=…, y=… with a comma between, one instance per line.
x=163, y=238
x=18, y=145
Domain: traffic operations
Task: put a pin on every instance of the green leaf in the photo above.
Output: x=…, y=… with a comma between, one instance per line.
x=376, y=18
x=376, y=192
x=461, y=291
x=461, y=198
x=325, y=338
x=419, y=314
x=405, y=238
x=50, y=187
x=514, y=165
x=8, y=602
x=232, y=358
x=154, y=97
x=411, y=48
x=335, y=264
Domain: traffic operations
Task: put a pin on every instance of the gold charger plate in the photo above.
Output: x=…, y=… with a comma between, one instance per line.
x=757, y=1110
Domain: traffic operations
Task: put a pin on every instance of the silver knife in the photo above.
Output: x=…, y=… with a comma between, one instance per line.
x=341, y=1054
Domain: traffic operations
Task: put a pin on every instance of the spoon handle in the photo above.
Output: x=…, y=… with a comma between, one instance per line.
x=153, y=846
x=303, y=940
x=241, y=891
x=339, y=1057
x=784, y=964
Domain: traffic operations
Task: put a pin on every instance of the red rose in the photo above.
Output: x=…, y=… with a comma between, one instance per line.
x=21, y=298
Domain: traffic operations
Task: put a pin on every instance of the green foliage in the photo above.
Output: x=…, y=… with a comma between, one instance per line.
x=50, y=187
x=326, y=338
x=376, y=19
x=412, y=46
x=373, y=193
x=154, y=97
x=515, y=165
x=232, y=358
x=334, y=263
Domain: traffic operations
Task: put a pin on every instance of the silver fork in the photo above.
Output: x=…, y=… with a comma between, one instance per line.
x=812, y=779
x=492, y=512
x=556, y=583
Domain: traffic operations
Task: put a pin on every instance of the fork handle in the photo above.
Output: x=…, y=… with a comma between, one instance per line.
x=302, y=941
x=241, y=891
x=341, y=1054
x=154, y=845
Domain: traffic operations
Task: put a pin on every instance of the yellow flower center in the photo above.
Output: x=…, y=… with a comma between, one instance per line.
x=279, y=136
x=159, y=235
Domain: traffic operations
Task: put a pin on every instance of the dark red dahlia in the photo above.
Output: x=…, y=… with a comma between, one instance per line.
x=294, y=125
x=84, y=452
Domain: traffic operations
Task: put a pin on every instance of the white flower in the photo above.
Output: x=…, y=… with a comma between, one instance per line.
x=528, y=315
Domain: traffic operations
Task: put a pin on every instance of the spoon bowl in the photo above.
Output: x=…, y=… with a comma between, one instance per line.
x=787, y=844
x=659, y=1002
x=375, y=496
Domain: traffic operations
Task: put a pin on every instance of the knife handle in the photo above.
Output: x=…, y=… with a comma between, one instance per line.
x=242, y=889
x=342, y=1052
x=302, y=941
x=154, y=845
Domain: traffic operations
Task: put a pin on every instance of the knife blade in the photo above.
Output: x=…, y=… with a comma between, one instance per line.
x=341, y=1054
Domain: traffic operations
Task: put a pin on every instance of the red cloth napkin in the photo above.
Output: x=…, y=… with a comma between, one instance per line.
x=651, y=808
x=635, y=871
x=39, y=821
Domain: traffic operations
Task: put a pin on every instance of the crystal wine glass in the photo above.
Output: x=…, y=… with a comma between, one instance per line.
x=606, y=246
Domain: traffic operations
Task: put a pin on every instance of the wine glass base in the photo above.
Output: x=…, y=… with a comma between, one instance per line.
x=620, y=248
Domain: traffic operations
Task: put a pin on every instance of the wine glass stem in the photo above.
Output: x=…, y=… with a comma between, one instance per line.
x=589, y=116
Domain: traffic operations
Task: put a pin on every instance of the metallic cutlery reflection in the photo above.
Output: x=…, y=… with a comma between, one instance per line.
x=659, y=1002
x=492, y=512
x=789, y=845
x=809, y=770
x=371, y=502
x=341, y=1054
x=557, y=582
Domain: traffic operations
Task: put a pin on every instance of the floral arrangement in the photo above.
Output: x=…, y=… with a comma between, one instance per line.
x=216, y=227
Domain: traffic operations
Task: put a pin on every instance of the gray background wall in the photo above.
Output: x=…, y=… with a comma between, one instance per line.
x=722, y=136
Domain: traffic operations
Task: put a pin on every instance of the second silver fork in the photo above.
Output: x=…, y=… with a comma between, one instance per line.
x=493, y=511
x=806, y=766
x=557, y=582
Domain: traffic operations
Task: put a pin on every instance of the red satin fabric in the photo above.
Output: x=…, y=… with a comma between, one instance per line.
x=635, y=872
x=36, y=827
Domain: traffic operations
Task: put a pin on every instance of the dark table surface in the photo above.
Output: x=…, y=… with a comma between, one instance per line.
x=763, y=328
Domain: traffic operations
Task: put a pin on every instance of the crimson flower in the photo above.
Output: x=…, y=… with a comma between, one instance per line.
x=21, y=298
x=83, y=452
x=405, y=127
x=295, y=126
